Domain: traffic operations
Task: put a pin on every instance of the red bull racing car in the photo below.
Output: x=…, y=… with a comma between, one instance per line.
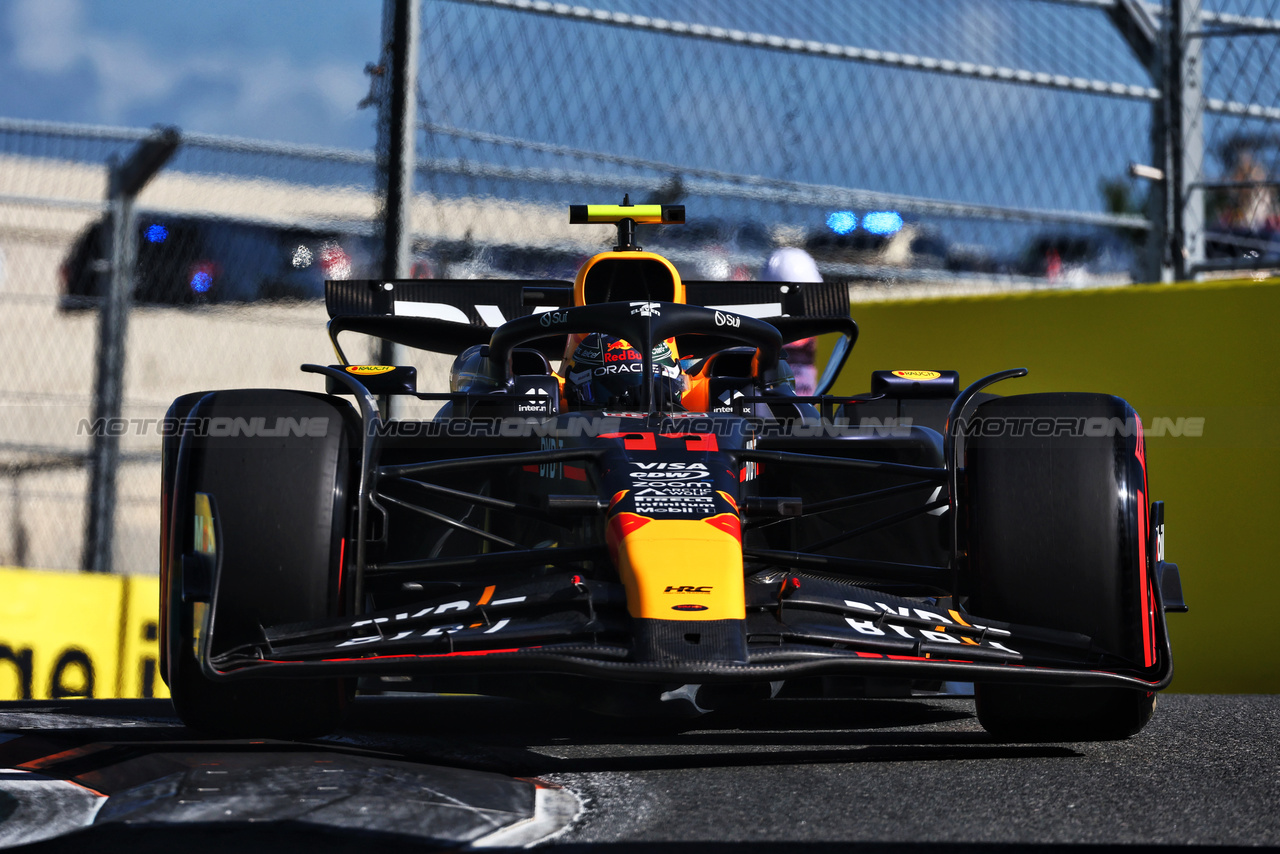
x=622, y=501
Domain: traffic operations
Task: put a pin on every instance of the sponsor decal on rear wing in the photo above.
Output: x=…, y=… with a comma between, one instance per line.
x=492, y=302
x=449, y=315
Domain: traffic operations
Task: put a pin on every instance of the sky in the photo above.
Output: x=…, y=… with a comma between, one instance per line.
x=286, y=70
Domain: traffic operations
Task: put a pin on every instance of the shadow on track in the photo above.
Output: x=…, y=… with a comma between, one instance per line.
x=532, y=740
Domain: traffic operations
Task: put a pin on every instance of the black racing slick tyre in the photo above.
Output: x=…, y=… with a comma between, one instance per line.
x=276, y=466
x=1057, y=512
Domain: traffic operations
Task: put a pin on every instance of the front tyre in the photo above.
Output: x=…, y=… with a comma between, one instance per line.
x=277, y=467
x=1057, y=538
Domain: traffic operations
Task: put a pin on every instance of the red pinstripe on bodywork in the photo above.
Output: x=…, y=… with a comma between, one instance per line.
x=459, y=654
x=1144, y=579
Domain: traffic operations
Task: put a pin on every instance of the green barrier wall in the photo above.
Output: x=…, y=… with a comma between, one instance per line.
x=1181, y=351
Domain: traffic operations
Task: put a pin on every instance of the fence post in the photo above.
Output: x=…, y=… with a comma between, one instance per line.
x=1186, y=126
x=1157, y=262
x=125, y=180
x=397, y=130
x=1149, y=41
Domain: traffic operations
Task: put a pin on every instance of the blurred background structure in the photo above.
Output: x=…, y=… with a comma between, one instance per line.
x=923, y=147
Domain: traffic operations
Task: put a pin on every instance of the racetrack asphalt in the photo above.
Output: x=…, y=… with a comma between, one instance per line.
x=801, y=775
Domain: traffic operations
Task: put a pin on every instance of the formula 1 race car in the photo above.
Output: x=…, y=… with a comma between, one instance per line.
x=659, y=526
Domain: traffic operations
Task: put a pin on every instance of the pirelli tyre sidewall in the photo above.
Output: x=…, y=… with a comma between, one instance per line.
x=1056, y=531
x=170, y=551
x=278, y=466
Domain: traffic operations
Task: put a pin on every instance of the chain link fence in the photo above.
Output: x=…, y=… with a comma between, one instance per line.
x=234, y=241
x=950, y=144
x=956, y=138
x=1231, y=97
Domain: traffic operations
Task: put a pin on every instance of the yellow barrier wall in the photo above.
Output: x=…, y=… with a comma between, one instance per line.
x=1186, y=351
x=66, y=635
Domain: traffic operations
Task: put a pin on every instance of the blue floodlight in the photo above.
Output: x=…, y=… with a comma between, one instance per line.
x=157, y=233
x=882, y=222
x=842, y=222
x=201, y=281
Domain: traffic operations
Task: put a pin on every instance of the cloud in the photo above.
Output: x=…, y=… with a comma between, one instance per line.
x=218, y=90
x=42, y=30
x=50, y=37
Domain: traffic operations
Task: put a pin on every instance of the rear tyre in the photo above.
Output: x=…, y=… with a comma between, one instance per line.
x=1057, y=527
x=280, y=502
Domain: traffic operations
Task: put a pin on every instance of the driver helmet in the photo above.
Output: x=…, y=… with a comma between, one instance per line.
x=608, y=373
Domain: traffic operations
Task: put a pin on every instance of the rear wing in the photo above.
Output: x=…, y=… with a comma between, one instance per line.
x=450, y=315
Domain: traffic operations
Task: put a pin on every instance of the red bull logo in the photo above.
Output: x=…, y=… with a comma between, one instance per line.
x=624, y=356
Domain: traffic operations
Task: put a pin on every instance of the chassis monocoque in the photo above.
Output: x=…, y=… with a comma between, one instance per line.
x=664, y=558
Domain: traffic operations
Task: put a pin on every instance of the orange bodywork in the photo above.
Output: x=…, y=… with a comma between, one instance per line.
x=668, y=565
x=630, y=257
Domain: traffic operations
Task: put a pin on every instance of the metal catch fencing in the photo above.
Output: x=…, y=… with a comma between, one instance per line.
x=1228, y=95
x=950, y=139
x=234, y=241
